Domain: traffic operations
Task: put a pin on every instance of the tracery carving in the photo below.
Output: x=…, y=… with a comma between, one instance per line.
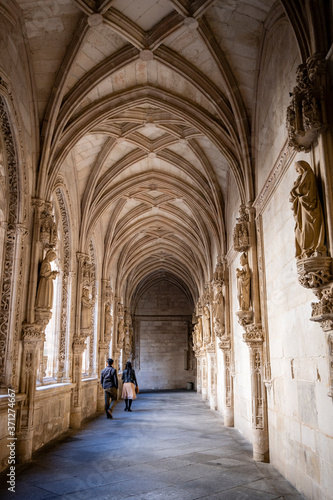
x=306, y=116
x=94, y=295
x=10, y=237
x=65, y=281
x=257, y=396
x=253, y=334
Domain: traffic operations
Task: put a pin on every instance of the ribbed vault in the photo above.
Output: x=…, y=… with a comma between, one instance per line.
x=150, y=108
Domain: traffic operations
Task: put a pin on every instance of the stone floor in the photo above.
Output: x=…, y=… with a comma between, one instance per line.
x=172, y=447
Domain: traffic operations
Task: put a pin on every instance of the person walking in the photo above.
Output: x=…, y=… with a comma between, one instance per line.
x=109, y=381
x=130, y=386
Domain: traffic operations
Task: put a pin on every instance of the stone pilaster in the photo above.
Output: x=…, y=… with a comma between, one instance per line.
x=32, y=340
x=76, y=407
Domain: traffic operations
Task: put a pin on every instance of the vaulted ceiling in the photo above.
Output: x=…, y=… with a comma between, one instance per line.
x=150, y=102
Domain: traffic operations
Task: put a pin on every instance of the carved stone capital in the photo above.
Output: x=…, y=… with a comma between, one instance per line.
x=225, y=343
x=103, y=347
x=322, y=311
x=32, y=332
x=253, y=335
x=314, y=272
x=79, y=345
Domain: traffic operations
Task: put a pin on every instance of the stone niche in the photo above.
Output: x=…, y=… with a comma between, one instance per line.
x=161, y=331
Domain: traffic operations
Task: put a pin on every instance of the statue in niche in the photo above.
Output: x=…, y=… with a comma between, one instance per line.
x=309, y=228
x=243, y=283
x=218, y=312
x=44, y=298
x=107, y=323
x=206, y=324
x=86, y=306
x=121, y=332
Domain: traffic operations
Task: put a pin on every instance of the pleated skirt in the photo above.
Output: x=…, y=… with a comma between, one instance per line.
x=128, y=391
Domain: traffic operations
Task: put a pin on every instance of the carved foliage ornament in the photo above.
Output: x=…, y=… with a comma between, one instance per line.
x=306, y=112
x=253, y=334
x=9, y=248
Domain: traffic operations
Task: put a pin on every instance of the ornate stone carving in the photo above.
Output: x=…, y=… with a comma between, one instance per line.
x=86, y=305
x=306, y=112
x=32, y=333
x=241, y=235
x=243, y=283
x=197, y=336
x=48, y=227
x=65, y=281
x=314, y=272
x=44, y=299
x=309, y=228
x=218, y=309
x=206, y=325
x=257, y=392
x=253, y=334
x=322, y=311
x=10, y=237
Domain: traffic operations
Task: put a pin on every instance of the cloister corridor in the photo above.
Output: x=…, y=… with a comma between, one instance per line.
x=166, y=200
x=171, y=447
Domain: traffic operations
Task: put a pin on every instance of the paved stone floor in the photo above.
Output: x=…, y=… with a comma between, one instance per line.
x=172, y=447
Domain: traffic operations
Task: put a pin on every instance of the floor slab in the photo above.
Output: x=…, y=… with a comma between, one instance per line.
x=171, y=446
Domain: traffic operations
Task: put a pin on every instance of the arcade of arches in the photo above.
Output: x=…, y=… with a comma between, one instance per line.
x=166, y=197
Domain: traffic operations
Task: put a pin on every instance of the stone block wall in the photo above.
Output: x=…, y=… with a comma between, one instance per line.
x=299, y=409
x=161, y=327
x=52, y=413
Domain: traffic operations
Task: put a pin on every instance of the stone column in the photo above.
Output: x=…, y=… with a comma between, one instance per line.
x=199, y=374
x=253, y=337
x=211, y=355
x=32, y=340
x=228, y=400
x=204, y=390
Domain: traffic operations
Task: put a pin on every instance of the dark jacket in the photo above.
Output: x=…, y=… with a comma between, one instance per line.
x=129, y=376
x=109, y=377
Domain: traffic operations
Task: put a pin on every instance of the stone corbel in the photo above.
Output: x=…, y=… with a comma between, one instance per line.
x=306, y=114
x=314, y=272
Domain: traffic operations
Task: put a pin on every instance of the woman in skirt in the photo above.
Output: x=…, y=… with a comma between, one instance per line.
x=129, y=386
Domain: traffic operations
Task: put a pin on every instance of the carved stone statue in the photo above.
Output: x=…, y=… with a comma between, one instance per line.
x=243, y=283
x=44, y=298
x=218, y=312
x=309, y=228
x=107, y=323
x=86, y=306
x=121, y=332
x=206, y=324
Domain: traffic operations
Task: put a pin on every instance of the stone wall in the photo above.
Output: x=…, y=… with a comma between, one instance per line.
x=299, y=409
x=161, y=338
x=52, y=413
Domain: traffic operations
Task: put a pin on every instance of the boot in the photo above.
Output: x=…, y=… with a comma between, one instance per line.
x=129, y=405
x=126, y=403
